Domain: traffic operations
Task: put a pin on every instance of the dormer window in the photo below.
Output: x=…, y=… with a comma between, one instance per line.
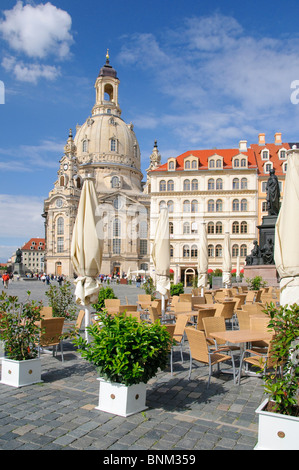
x=212, y=164
x=268, y=167
x=187, y=165
x=171, y=165
x=282, y=154
x=265, y=155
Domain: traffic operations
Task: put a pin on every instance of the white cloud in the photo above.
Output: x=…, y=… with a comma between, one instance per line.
x=30, y=72
x=37, y=30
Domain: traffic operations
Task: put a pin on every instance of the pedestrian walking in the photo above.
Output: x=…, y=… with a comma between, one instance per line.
x=5, y=279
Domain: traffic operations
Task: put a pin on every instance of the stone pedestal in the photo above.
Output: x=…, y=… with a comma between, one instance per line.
x=18, y=268
x=267, y=271
x=267, y=229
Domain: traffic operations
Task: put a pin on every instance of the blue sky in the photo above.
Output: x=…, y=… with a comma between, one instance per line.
x=193, y=74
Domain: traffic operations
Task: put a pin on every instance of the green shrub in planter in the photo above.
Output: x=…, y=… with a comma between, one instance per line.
x=256, y=283
x=124, y=350
x=176, y=289
x=283, y=384
x=19, y=328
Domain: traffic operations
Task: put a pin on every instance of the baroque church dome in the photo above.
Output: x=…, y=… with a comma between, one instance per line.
x=105, y=138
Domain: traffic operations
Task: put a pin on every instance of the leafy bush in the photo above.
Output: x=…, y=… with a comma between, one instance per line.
x=19, y=328
x=104, y=293
x=283, y=385
x=62, y=301
x=176, y=289
x=256, y=283
x=124, y=350
x=149, y=287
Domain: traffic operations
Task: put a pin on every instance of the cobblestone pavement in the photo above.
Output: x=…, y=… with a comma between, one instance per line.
x=59, y=413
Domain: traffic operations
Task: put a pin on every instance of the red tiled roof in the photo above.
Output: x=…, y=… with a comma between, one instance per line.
x=37, y=241
x=273, y=157
x=203, y=156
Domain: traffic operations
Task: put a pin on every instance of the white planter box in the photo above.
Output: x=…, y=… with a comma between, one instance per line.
x=276, y=431
x=20, y=373
x=121, y=400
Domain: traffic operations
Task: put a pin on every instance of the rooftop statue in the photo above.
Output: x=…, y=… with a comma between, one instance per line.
x=273, y=194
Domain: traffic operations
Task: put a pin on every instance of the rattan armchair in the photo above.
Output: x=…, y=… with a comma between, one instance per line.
x=51, y=335
x=178, y=336
x=199, y=352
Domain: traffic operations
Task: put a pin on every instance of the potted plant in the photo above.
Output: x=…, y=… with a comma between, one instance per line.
x=20, y=332
x=127, y=353
x=176, y=289
x=279, y=413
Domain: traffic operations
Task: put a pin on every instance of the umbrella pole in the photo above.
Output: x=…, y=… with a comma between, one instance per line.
x=87, y=322
x=163, y=306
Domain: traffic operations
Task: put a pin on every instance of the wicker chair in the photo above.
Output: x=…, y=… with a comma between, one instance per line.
x=126, y=308
x=78, y=322
x=211, y=325
x=243, y=319
x=209, y=298
x=227, y=312
x=144, y=300
x=178, y=336
x=262, y=360
x=185, y=297
x=199, y=352
x=204, y=313
x=51, y=333
x=197, y=300
x=112, y=306
x=46, y=312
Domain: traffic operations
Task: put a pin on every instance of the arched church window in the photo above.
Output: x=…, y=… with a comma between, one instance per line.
x=115, y=182
x=60, y=226
x=85, y=146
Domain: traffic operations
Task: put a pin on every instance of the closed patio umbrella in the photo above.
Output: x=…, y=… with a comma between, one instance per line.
x=286, y=249
x=203, y=260
x=227, y=262
x=161, y=257
x=87, y=250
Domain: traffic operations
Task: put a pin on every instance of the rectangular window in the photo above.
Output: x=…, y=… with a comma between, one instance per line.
x=60, y=245
x=113, y=145
x=116, y=246
x=143, y=247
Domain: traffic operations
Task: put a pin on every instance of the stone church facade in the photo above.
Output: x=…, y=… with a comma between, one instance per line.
x=106, y=149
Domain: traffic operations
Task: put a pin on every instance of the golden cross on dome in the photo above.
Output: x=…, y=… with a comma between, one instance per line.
x=107, y=54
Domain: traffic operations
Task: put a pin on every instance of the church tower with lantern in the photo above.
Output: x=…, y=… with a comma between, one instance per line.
x=106, y=148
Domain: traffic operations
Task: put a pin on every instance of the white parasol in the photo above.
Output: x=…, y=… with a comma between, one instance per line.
x=227, y=262
x=203, y=260
x=286, y=249
x=161, y=257
x=87, y=250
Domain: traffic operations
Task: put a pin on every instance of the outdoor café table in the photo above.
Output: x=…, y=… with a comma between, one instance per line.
x=242, y=337
x=204, y=305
